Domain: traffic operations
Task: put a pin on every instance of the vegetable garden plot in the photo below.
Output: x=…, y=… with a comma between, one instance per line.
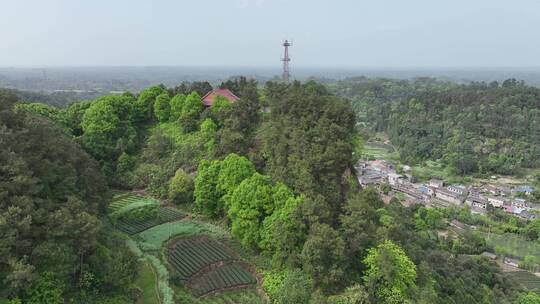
x=224, y=277
x=122, y=200
x=527, y=279
x=246, y=295
x=134, y=226
x=190, y=256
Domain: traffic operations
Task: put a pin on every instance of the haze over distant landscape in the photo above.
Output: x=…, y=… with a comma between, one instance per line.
x=101, y=45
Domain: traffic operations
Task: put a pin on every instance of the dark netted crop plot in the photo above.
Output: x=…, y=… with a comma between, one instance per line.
x=205, y=266
x=190, y=256
x=132, y=226
x=222, y=278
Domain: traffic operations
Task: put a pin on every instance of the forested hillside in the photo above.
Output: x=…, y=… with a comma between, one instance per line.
x=272, y=170
x=473, y=128
x=52, y=194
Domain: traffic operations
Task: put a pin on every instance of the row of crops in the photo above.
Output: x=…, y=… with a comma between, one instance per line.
x=134, y=225
x=205, y=265
x=527, y=279
x=224, y=277
x=234, y=297
x=123, y=199
x=191, y=255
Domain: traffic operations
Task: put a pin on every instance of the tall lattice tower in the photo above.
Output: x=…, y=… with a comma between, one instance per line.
x=286, y=60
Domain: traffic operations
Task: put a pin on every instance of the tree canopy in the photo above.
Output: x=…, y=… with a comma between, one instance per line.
x=390, y=274
x=52, y=195
x=473, y=128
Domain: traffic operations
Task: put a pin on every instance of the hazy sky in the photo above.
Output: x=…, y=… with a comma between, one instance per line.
x=340, y=33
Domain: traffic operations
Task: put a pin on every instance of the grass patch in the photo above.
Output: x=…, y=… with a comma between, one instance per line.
x=167, y=294
x=154, y=238
x=374, y=150
x=429, y=170
x=513, y=245
x=146, y=281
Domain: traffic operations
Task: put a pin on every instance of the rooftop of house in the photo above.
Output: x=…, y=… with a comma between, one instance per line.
x=496, y=198
x=489, y=255
x=423, y=189
x=511, y=260
x=527, y=215
x=477, y=199
x=457, y=186
x=208, y=99
x=447, y=192
x=474, y=195
x=523, y=189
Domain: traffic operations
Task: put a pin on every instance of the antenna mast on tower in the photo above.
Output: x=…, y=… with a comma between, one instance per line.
x=286, y=60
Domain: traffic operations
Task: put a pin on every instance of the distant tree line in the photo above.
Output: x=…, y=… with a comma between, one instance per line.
x=473, y=128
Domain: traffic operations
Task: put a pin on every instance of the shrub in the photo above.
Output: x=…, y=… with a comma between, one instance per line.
x=289, y=287
x=140, y=214
x=181, y=188
x=47, y=290
x=273, y=280
x=134, y=248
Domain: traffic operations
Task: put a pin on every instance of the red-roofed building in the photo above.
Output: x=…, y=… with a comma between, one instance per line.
x=208, y=99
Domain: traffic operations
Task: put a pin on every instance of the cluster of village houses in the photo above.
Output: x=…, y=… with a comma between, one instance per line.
x=437, y=194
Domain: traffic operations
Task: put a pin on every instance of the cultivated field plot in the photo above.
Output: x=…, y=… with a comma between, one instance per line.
x=191, y=255
x=527, y=279
x=235, y=297
x=134, y=226
x=123, y=199
x=378, y=150
x=513, y=244
x=224, y=277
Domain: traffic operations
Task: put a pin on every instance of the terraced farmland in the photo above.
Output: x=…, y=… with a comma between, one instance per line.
x=204, y=266
x=527, y=279
x=224, y=277
x=234, y=297
x=190, y=256
x=134, y=226
x=121, y=200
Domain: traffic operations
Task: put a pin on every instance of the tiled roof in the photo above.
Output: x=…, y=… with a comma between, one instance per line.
x=208, y=99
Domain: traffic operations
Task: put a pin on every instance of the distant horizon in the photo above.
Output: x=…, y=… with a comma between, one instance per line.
x=135, y=78
x=278, y=67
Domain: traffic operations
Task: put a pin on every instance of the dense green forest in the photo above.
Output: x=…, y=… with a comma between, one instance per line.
x=472, y=128
x=275, y=168
x=52, y=195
